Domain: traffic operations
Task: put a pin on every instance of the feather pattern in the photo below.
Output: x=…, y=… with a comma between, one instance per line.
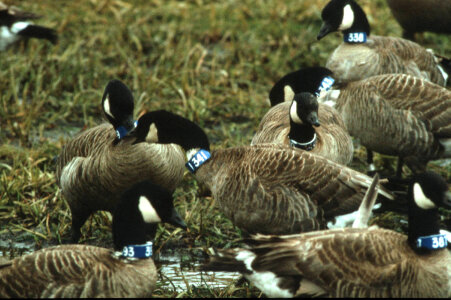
x=411, y=114
x=333, y=139
x=92, y=171
x=76, y=271
x=349, y=262
x=383, y=55
x=271, y=188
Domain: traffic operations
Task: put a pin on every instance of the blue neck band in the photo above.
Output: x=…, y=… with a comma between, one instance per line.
x=197, y=160
x=432, y=242
x=355, y=37
x=138, y=251
x=121, y=131
x=325, y=85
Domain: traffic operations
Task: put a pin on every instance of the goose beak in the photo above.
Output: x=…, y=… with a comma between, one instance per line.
x=313, y=119
x=177, y=220
x=325, y=30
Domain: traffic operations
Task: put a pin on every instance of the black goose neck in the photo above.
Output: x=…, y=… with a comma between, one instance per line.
x=301, y=133
x=422, y=223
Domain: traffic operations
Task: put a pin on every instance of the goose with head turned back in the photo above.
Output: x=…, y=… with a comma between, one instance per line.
x=262, y=188
x=14, y=26
x=97, y=165
x=361, y=55
x=421, y=15
x=300, y=121
x=354, y=262
x=397, y=114
x=83, y=271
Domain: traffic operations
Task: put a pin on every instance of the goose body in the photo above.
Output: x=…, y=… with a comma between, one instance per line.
x=82, y=271
x=14, y=26
x=372, y=55
x=266, y=188
x=94, y=168
x=296, y=119
x=397, y=114
x=421, y=15
x=76, y=271
x=350, y=262
x=333, y=140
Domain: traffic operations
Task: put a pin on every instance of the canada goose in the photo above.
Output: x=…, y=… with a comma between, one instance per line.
x=421, y=15
x=88, y=271
x=97, y=165
x=14, y=27
x=353, y=262
x=397, y=114
x=361, y=55
x=266, y=188
x=301, y=122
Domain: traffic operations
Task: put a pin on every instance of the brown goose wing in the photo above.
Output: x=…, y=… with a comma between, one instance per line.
x=76, y=271
x=426, y=100
x=274, y=126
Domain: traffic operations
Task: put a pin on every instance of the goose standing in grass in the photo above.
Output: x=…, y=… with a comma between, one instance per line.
x=361, y=55
x=397, y=114
x=301, y=122
x=97, y=165
x=421, y=15
x=83, y=271
x=265, y=188
x=354, y=262
x=15, y=27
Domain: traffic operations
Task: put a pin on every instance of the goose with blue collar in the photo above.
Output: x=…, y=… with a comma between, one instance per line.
x=98, y=164
x=262, y=188
x=296, y=119
x=84, y=271
x=354, y=262
x=15, y=26
x=361, y=55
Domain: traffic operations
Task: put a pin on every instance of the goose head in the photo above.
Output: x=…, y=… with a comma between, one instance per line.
x=118, y=106
x=303, y=80
x=304, y=109
x=142, y=206
x=165, y=127
x=345, y=16
x=426, y=193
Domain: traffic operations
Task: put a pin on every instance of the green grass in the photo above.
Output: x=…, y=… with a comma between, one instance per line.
x=213, y=62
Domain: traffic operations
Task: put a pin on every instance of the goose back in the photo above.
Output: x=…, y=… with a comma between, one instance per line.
x=396, y=114
x=421, y=15
x=383, y=55
x=271, y=188
x=333, y=139
x=76, y=271
x=349, y=262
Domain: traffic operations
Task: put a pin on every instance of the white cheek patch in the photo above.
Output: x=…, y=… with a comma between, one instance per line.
x=148, y=212
x=288, y=93
x=348, y=18
x=420, y=198
x=106, y=107
x=19, y=26
x=152, y=136
x=293, y=113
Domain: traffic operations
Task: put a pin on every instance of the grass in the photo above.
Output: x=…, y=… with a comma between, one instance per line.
x=210, y=61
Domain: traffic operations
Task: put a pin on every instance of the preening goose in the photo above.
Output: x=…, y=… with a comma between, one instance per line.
x=262, y=188
x=301, y=122
x=354, y=262
x=421, y=15
x=14, y=27
x=397, y=114
x=361, y=55
x=97, y=165
x=82, y=271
